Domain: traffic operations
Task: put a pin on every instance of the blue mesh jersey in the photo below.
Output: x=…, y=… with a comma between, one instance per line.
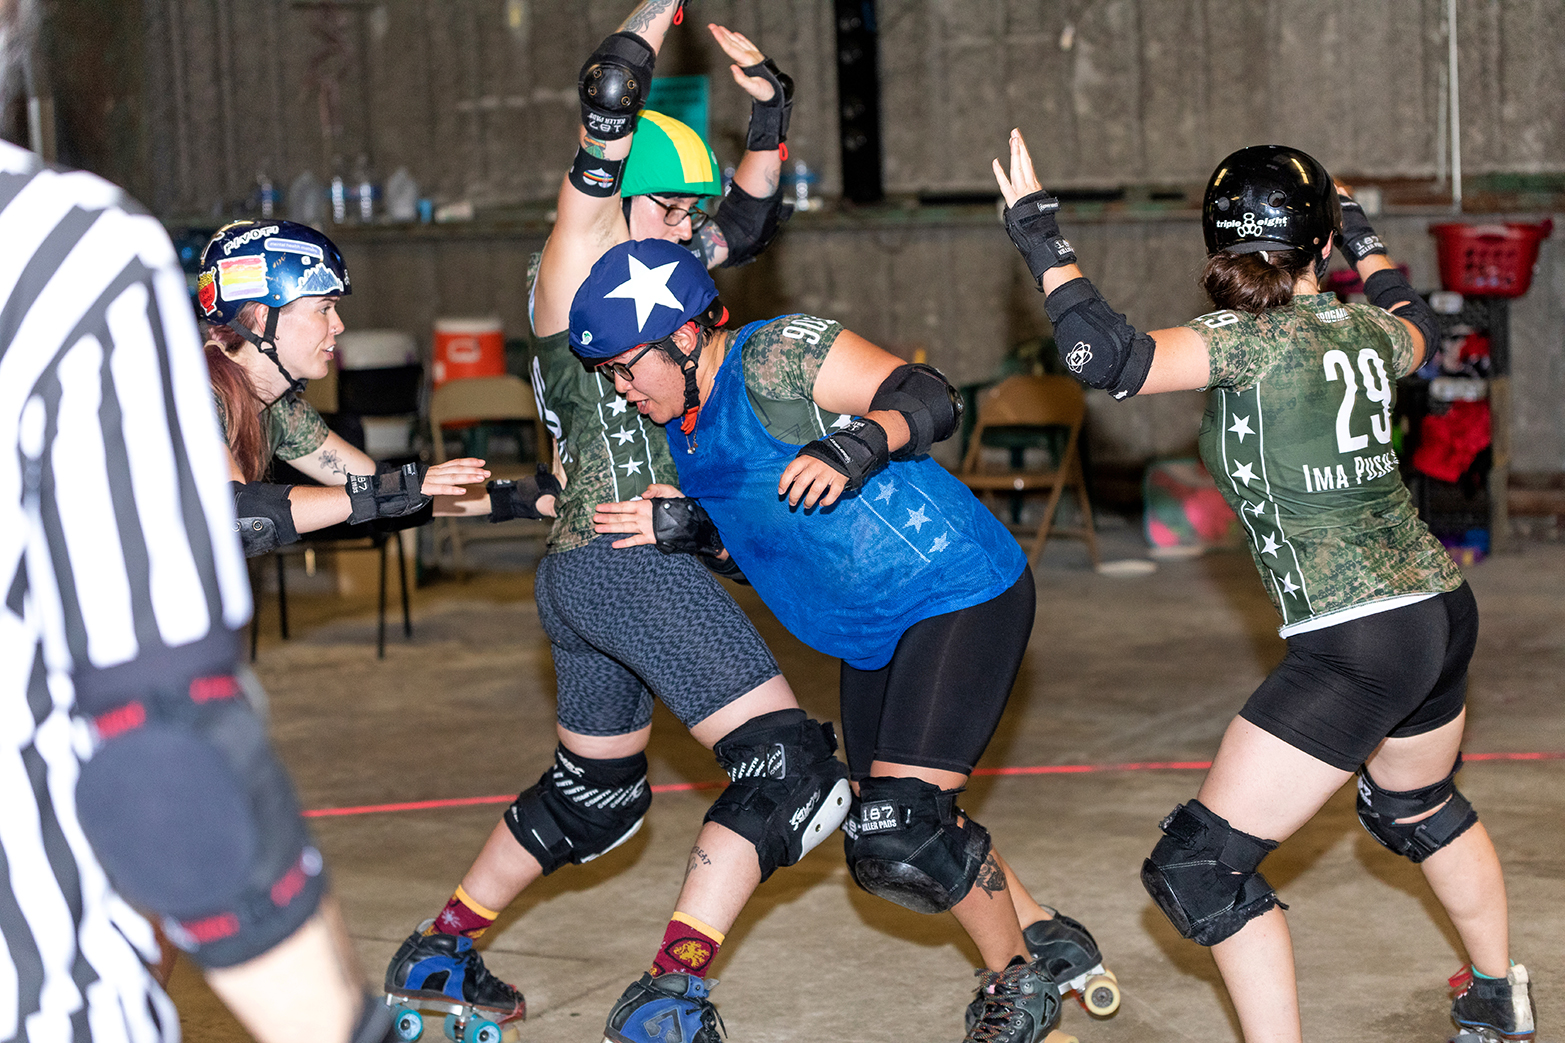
x=849, y=579
x=1297, y=434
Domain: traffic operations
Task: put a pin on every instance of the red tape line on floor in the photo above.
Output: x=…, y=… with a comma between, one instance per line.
x=1037, y=769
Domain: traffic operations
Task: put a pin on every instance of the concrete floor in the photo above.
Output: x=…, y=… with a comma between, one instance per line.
x=1120, y=671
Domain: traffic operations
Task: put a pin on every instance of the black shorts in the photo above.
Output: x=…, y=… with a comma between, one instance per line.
x=625, y=625
x=1342, y=689
x=939, y=700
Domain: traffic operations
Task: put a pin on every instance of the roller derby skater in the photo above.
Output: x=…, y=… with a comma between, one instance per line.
x=908, y=579
x=1379, y=623
x=1492, y=1010
x=625, y=629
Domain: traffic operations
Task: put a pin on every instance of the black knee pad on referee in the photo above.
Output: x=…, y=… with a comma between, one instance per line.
x=1379, y=810
x=1202, y=874
x=905, y=845
x=581, y=808
x=786, y=792
x=194, y=818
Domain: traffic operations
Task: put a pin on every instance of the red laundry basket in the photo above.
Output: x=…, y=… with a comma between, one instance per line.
x=1488, y=260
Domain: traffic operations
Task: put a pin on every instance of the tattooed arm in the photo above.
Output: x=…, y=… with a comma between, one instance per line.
x=334, y=461
x=651, y=20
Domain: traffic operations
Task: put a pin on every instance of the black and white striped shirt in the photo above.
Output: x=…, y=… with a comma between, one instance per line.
x=118, y=563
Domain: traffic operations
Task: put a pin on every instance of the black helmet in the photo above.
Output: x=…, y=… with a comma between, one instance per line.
x=1269, y=197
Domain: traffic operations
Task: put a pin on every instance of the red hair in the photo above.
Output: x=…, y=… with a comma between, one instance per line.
x=241, y=406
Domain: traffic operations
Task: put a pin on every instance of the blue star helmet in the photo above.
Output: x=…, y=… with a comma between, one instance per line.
x=640, y=292
x=272, y=263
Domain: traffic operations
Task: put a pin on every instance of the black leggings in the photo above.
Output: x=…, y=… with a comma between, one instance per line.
x=1342, y=689
x=938, y=702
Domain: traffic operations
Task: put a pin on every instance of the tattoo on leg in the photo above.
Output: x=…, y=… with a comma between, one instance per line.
x=991, y=878
x=697, y=858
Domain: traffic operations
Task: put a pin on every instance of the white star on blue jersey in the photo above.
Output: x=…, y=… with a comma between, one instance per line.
x=916, y=519
x=625, y=435
x=940, y=544
x=1241, y=427
x=888, y=489
x=648, y=287
x=1270, y=546
x=633, y=467
x=1245, y=473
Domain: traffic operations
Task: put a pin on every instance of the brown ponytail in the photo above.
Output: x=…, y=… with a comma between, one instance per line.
x=240, y=406
x=1253, y=282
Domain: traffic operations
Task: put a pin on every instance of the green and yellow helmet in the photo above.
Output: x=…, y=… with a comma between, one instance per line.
x=667, y=157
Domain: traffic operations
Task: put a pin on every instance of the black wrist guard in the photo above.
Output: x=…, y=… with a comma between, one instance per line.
x=595, y=177
x=769, y=119
x=519, y=499
x=613, y=84
x=1032, y=227
x=1358, y=238
x=388, y=495
x=928, y=403
x=858, y=451
x=728, y=568
x=748, y=224
x=681, y=526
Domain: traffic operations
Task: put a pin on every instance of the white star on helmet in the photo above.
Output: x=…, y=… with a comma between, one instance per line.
x=648, y=287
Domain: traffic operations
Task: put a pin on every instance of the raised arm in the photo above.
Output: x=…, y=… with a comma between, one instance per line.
x=1095, y=342
x=1384, y=284
x=613, y=86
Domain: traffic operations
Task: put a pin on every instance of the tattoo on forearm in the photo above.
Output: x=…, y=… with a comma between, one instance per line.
x=332, y=462
x=709, y=240
x=698, y=858
x=595, y=148
x=645, y=14
x=991, y=878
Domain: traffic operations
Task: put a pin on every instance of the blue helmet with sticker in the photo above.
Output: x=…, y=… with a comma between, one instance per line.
x=270, y=262
x=640, y=292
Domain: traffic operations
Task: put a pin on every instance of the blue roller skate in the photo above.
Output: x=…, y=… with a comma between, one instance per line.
x=1066, y=952
x=1489, y=1010
x=1017, y=1005
x=443, y=972
x=668, y=1008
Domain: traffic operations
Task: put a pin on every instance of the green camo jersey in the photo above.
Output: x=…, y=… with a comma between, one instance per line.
x=610, y=451
x=1297, y=434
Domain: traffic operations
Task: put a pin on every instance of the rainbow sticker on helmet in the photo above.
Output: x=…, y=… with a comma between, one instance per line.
x=242, y=278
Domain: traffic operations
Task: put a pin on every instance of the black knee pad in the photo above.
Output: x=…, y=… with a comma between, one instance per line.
x=904, y=844
x=1379, y=810
x=787, y=792
x=581, y=808
x=194, y=818
x=1202, y=875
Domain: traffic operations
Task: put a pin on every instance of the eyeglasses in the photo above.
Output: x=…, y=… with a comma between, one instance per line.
x=672, y=214
x=622, y=369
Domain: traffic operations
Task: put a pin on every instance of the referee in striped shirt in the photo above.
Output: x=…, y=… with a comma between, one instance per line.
x=133, y=771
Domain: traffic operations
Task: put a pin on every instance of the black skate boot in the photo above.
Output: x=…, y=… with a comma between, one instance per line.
x=666, y=1008
x=1016, y=1005
x=444, y=972
x=1488, y=1010
x=1065, y=951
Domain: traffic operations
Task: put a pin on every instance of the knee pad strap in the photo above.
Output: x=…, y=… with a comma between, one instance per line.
x=787, y=792
x=904, y=844
x=580, y=808
x=1379, y=810
x=1202, y=874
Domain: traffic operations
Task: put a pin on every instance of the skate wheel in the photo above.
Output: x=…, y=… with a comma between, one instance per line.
x=453, y=1029
x=1056, y=1036
x=407, y=1023
x=481, y=1031
x=1100, y=995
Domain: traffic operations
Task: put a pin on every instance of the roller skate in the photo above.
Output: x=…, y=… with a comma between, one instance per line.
x=667, y=1008
x=1489, y=1010
x=444, y=973
x=1065, y=951
x=1016, y=1005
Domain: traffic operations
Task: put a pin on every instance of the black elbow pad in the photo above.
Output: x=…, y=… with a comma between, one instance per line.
x=748, y=224
x=1095, y=342
x=1388, y=288
x=928, y=403
x=613, y=85
x=264, y=517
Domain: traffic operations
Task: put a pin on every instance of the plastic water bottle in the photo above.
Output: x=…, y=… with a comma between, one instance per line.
x=802, y=177
x=365, y=190
x=266, y=195
x=339, y=199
